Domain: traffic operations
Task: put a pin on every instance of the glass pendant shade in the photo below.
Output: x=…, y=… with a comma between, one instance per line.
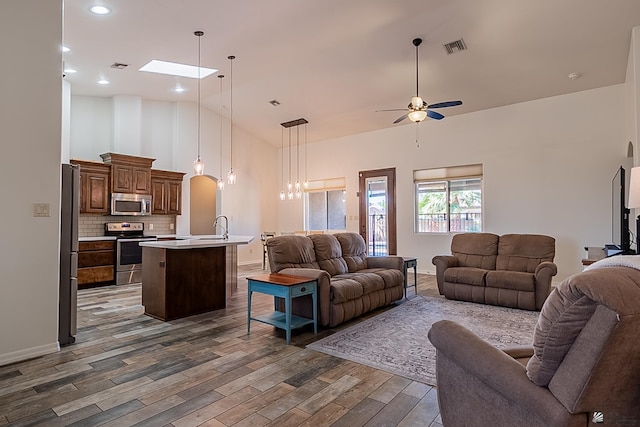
x=231, y=177
x=417, y=116
x=221, y=184
x=282, y=197
x=198, y=167
x=290, y=195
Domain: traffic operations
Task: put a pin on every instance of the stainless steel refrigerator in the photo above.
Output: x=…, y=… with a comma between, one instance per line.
x=69, y=211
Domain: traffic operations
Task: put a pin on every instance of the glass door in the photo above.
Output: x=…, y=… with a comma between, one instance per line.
x=377, y=211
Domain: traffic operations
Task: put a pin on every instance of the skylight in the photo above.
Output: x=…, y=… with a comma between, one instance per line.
x=175, y=69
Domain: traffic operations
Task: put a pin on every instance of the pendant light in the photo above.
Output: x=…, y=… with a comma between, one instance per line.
x=231, y=176
x=297, y=185
x=305, y=184
x=198, y=165
x=282, y=196
x=220, y=179
x=293, y=187
x=289, y=185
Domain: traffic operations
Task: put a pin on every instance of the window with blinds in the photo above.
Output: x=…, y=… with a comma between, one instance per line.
x=448, y=200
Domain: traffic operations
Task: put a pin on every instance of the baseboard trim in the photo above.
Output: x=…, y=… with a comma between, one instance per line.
x=28, y=353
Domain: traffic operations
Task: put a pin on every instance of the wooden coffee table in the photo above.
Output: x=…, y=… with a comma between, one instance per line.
x=287, y=287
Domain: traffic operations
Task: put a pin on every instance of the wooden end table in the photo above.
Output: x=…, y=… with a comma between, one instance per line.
x=287, y=287
x=410, y=262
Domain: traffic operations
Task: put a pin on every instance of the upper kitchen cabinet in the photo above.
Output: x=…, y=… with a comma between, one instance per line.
x=94, y=186
x=166, y=189
x=129, y=174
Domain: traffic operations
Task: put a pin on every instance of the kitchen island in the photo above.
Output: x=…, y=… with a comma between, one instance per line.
x=189, y=276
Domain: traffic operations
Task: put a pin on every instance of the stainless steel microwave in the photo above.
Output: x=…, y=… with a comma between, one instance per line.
x=130, y=204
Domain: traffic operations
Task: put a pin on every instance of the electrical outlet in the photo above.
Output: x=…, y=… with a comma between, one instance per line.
x=41, y=210
x=150, y=226
x=170, y=226
x=250, y=251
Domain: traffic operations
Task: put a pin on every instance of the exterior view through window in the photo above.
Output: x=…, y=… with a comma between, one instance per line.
x=448, y=203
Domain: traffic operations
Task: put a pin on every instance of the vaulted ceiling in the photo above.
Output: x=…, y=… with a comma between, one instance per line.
x=336, y=62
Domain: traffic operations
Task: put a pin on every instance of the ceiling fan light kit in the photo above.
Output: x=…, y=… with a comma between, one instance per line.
x=418, y=108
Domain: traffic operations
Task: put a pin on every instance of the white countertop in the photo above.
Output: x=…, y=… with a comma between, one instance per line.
x=204, y=241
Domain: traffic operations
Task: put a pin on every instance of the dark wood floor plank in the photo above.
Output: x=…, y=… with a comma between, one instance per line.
x=360, y=414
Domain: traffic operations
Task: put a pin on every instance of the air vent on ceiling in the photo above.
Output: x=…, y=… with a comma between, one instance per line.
x=456, y=46
x=119, y=66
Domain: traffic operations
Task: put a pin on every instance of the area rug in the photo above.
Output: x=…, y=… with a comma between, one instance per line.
x=396, y=340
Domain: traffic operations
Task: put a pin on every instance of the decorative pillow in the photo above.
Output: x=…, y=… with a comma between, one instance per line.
x=562, y=318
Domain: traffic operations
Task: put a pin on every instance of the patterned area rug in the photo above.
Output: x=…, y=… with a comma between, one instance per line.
x=396, y=340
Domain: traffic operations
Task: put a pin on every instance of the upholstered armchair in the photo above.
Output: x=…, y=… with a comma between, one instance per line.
x=584, y=364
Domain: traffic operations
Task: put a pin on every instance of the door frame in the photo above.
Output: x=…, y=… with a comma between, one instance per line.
x=390, y=174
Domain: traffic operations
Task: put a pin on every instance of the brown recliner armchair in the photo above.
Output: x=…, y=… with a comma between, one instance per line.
x=584, y=363
x=512, y=270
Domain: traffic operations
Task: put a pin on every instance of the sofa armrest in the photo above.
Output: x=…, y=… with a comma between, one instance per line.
x=487, y=371
x=442, y=262
x=543, y=274
x=324, y=289
x=392, y=262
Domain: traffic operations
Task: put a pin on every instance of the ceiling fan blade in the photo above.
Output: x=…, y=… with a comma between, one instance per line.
x=401, y=118
x=395, y=109
x=434, y=115
x=445, y=104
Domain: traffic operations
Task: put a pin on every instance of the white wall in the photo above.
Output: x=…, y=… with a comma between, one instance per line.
x=167, y=132
x=548, y=166
x=31, y=124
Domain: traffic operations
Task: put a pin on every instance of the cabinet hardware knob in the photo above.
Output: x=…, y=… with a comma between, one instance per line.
x=303, y=289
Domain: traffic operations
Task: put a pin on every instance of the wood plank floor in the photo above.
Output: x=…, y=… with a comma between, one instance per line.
x=128, y=369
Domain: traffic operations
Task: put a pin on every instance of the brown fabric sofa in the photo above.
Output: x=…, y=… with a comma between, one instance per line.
x=349, y=282
x=584, y=359
x=512, y=270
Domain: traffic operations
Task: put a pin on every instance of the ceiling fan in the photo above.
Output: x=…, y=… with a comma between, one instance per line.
x=418, y=110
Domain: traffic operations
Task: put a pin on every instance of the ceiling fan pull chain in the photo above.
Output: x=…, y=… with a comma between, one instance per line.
x=417, y=135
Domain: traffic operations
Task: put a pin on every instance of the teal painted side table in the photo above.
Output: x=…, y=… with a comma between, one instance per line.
x=287, y=287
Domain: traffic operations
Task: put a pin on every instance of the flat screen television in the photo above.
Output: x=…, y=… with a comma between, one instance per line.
x=620, y=232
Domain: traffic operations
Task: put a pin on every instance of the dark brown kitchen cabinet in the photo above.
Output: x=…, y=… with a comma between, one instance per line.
x=94, y=186
x=166, y=190
x=129, y=174
x=96, y=263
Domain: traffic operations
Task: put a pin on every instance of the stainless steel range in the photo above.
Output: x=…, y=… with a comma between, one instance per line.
x=128, y=251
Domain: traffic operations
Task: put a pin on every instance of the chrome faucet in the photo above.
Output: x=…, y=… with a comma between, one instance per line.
x=225, y=227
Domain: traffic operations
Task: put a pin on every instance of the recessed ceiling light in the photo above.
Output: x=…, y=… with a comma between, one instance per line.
x=70, y=70
x=175, y=69
x=574, y=76
x=65, y=49
x=100, y=10
x=178, y=89
x=103, y=82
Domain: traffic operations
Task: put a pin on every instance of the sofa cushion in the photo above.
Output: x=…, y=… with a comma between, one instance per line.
x=291, y=252
x=523, y=252
x=391, y=277
x=344, y=290
x=329, y=253
x=354, y=250
x=465, y=275
x=477, y=250
x=514, y=280
x=370, y=282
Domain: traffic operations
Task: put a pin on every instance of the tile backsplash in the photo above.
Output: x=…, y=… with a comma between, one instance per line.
x=93, y=225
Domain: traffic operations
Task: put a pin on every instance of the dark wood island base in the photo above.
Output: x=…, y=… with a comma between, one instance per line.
x=186, y=282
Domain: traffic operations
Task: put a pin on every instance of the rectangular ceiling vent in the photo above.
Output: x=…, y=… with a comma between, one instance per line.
x=119, y=66
x=456, y=46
